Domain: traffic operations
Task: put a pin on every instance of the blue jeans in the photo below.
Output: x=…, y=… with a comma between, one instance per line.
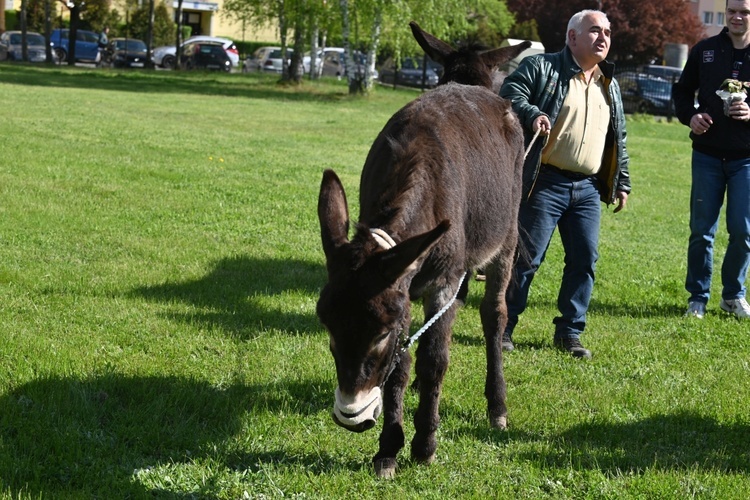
x=712, y=177
x=574, y=207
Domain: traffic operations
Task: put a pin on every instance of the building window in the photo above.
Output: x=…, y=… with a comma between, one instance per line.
x=720, y=18
x=708, y=17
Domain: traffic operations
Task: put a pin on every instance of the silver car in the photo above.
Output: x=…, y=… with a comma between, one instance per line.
x=266, y=59
x=36, y=48
x=166, y=56
x=334, y=63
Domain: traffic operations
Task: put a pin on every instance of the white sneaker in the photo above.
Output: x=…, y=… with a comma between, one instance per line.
x=738, y=307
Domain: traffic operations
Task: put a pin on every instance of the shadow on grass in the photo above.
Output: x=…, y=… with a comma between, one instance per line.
x=231, y=296
x=646, y=307
x=260, y=86
x=102, y=437
x=679, y=441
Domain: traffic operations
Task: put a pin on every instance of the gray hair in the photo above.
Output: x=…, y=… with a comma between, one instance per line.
x=576, y=22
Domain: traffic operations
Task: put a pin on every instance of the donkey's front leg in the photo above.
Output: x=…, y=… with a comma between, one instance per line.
x=431, y=365
x=392, y=435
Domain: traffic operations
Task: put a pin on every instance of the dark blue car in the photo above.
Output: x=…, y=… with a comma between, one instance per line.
x=87, y=45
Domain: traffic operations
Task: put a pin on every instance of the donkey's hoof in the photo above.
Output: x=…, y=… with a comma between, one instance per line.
x=424, y=460
x=500, y=423
x=385, y=468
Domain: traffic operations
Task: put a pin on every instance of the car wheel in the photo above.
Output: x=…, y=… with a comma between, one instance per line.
x=643, y=107
x=62, y=56
x=168, y=62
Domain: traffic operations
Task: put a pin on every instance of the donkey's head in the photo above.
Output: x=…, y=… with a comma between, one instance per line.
x=466, y=65
x=364, y=306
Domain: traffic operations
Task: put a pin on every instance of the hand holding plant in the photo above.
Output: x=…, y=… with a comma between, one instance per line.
x=732, y=90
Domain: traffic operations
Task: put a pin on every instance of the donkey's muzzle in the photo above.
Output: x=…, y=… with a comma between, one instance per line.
x=358, y=413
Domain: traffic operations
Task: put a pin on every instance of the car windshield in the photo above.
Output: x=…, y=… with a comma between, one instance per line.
x=276, y=54
x=657, y=86
x=411, y=63
x=31, y=39
x=216, y=50
x=87, y=36
x=130, y=45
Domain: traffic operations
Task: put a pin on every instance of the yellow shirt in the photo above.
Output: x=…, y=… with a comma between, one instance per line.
x=576, y=141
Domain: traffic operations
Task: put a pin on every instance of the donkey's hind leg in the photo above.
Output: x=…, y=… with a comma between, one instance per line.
x=494, y=313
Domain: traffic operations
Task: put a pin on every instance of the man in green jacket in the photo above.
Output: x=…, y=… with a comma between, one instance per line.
x=570, y=100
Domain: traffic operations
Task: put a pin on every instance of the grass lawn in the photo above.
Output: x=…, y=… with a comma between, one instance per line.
x=160, y=262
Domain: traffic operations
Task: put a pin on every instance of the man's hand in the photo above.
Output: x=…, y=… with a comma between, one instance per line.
x=542, y=124
x=622, y=200
x=700, y=122
x=739, y=110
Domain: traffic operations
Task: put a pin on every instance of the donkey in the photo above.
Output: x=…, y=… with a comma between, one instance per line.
x=439, y=196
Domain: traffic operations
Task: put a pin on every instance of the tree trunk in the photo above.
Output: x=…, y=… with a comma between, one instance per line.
x=150, y=36
x=24, y=39
x=282, y=37
x=178, y=43
x=75, y=16
x=314, y=73
x=48, y=30
x=355, y=85
x=295, y=67
x=373, y=50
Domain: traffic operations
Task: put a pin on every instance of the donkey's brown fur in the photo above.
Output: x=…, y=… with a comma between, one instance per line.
x=443, y=179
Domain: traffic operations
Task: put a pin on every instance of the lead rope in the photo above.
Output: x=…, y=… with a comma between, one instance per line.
x=386, y=243
x=408, y=342
x=526, y=153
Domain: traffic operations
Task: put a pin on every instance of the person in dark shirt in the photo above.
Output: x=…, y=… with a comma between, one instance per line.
x=720, y=161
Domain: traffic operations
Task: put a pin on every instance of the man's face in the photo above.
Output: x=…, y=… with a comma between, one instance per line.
x=738, y=16
x=592, y=44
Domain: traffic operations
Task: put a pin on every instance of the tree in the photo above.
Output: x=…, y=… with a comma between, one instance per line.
x=639, y=29
x=366, y=24
x=164, y=27
x=490, y=23
x=647, y=26
x=75, y=7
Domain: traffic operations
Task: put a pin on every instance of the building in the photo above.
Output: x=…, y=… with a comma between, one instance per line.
x=204, y=17
x=711, y=13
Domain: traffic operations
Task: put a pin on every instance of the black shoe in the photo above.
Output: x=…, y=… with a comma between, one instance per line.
x=573, y=346
x=507, y=342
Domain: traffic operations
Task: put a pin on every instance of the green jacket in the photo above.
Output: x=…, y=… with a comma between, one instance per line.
x=539, y=86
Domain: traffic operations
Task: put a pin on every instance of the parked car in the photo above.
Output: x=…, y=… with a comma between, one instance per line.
x=166, y=56
x=87, y=45
x=266, y=59
x=410, y=74
x=205, y=55
x=126, y=53
x=643, y=93
x=36, y=49
x=334, y=62
x=670, y=73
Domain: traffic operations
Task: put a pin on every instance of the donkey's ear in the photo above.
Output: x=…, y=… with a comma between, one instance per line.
x=498, y=57
x=397, y=261
x=437, y=49
x=333, y=213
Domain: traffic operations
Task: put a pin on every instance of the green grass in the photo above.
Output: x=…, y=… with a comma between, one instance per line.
x=159, y=267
